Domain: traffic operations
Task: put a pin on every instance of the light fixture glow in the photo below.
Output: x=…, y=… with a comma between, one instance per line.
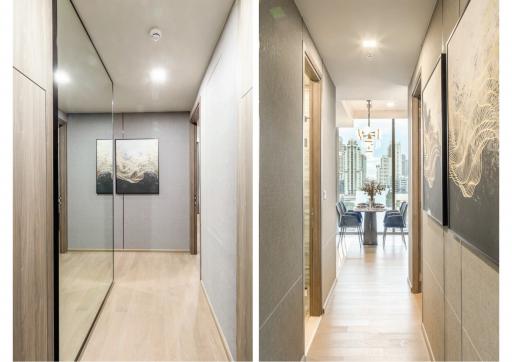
x=390, y=104
x=158, y=75
x=61, y=77
x=369, y=43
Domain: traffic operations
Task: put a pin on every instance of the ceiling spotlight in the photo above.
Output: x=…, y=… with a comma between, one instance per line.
x=155, y=34
x=369, y=43
x=158, y=75
x=61, y=77
x=390, y=104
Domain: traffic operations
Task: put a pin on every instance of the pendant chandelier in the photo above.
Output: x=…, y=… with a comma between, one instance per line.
x=367, y=135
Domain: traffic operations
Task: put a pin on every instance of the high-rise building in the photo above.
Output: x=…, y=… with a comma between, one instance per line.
x=354, y=168
x=405, y=166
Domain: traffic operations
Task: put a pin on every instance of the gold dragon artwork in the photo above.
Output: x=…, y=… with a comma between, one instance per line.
x=473, y=98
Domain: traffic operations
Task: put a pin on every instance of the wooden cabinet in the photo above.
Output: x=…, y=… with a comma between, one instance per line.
x=33, y=180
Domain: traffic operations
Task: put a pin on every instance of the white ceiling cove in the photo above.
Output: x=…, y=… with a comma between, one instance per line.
x=338, y=29
x=119, y=30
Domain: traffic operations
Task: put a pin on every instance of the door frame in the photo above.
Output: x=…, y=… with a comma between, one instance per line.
x=315, y=297
x=194, y=179
x=415, y=176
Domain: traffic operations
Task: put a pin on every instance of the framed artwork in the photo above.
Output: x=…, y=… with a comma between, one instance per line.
x=473, y=128
x=137, y=166
x=434, y=144
x=104, y=169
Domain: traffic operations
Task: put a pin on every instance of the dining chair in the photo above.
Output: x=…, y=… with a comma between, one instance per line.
x=346, y=220
x=396, y=219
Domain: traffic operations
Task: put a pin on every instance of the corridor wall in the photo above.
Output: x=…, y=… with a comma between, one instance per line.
x=460, y=288
x=226, y=126
x=142, y=222
x=283, y=39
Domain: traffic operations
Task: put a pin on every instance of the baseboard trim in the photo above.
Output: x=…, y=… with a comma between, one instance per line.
x=427, y=342
x=330, y=292
x=134, y=250
x=217, y=324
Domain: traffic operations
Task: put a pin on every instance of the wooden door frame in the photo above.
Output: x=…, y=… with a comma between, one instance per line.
x=315, y=304
x=63, y=187
x=194, y=189
x=416, y=186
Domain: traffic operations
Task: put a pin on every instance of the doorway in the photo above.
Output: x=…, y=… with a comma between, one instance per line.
x=311, y=191
x=416, y=190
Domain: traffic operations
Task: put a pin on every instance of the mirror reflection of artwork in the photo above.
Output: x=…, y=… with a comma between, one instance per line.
x=137, y=166
x=473, y=127
x=433, y=145
x=104, y=170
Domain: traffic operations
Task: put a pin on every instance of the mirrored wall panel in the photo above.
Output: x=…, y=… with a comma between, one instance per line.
x=85, y=156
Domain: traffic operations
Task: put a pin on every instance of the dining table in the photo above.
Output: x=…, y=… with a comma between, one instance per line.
x=370, y=223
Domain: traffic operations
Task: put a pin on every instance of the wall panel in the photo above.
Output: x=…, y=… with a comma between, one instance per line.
x=461, y=315
x=283, y=40
x=33, y=180
x=30, y=227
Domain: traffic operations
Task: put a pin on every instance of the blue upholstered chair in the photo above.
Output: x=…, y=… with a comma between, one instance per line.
x=396, y=219
x=346, y=220
x=360, y=215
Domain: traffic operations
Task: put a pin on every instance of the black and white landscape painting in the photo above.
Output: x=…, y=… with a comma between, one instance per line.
x=104, y=169
x=137, y=166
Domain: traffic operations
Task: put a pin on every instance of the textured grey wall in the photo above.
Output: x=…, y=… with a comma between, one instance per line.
x=219, y=95
x=281, y=283
x=282, y=43
x=143, y=221
x=460, y=290
x=90, y=216
x=158, y=221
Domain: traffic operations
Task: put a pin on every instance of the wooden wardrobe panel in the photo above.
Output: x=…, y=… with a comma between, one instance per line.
x=30, y=247
x=32, y=31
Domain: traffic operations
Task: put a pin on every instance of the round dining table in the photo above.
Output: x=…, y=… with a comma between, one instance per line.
x=370, y=223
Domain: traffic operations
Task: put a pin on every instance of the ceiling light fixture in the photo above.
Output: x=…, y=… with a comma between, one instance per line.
x=369, y=43
x=61, y=77
x=390, y=104
x=367, y=135
x=158, y=75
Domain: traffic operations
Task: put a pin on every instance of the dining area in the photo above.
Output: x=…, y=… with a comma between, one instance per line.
x=370, y=219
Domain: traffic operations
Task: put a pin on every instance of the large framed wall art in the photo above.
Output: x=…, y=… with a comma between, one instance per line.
x=137, y=169
x=473, y=127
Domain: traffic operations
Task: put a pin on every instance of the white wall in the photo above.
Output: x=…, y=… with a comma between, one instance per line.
x=219, y=98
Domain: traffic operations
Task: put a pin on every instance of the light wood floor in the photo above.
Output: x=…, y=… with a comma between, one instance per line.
x=84, y=279
x=156, y=311
x=372, y=316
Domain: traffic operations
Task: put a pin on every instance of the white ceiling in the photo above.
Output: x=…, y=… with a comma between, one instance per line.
x=338, y=28
x=119, y=29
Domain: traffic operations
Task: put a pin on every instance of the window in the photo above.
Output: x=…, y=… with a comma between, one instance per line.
x=355, y=164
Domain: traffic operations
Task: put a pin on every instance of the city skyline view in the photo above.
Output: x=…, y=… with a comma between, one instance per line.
x=355, y=165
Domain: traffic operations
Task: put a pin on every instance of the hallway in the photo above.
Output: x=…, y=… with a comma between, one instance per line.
x=371, y=316
x=156, y=311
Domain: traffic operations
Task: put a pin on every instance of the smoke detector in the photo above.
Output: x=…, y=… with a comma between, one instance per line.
x=155, y=34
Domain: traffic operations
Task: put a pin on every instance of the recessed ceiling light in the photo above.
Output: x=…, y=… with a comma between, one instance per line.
x=158, y=75
x=61, y=77
x=390, y=104
x=369, y=43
